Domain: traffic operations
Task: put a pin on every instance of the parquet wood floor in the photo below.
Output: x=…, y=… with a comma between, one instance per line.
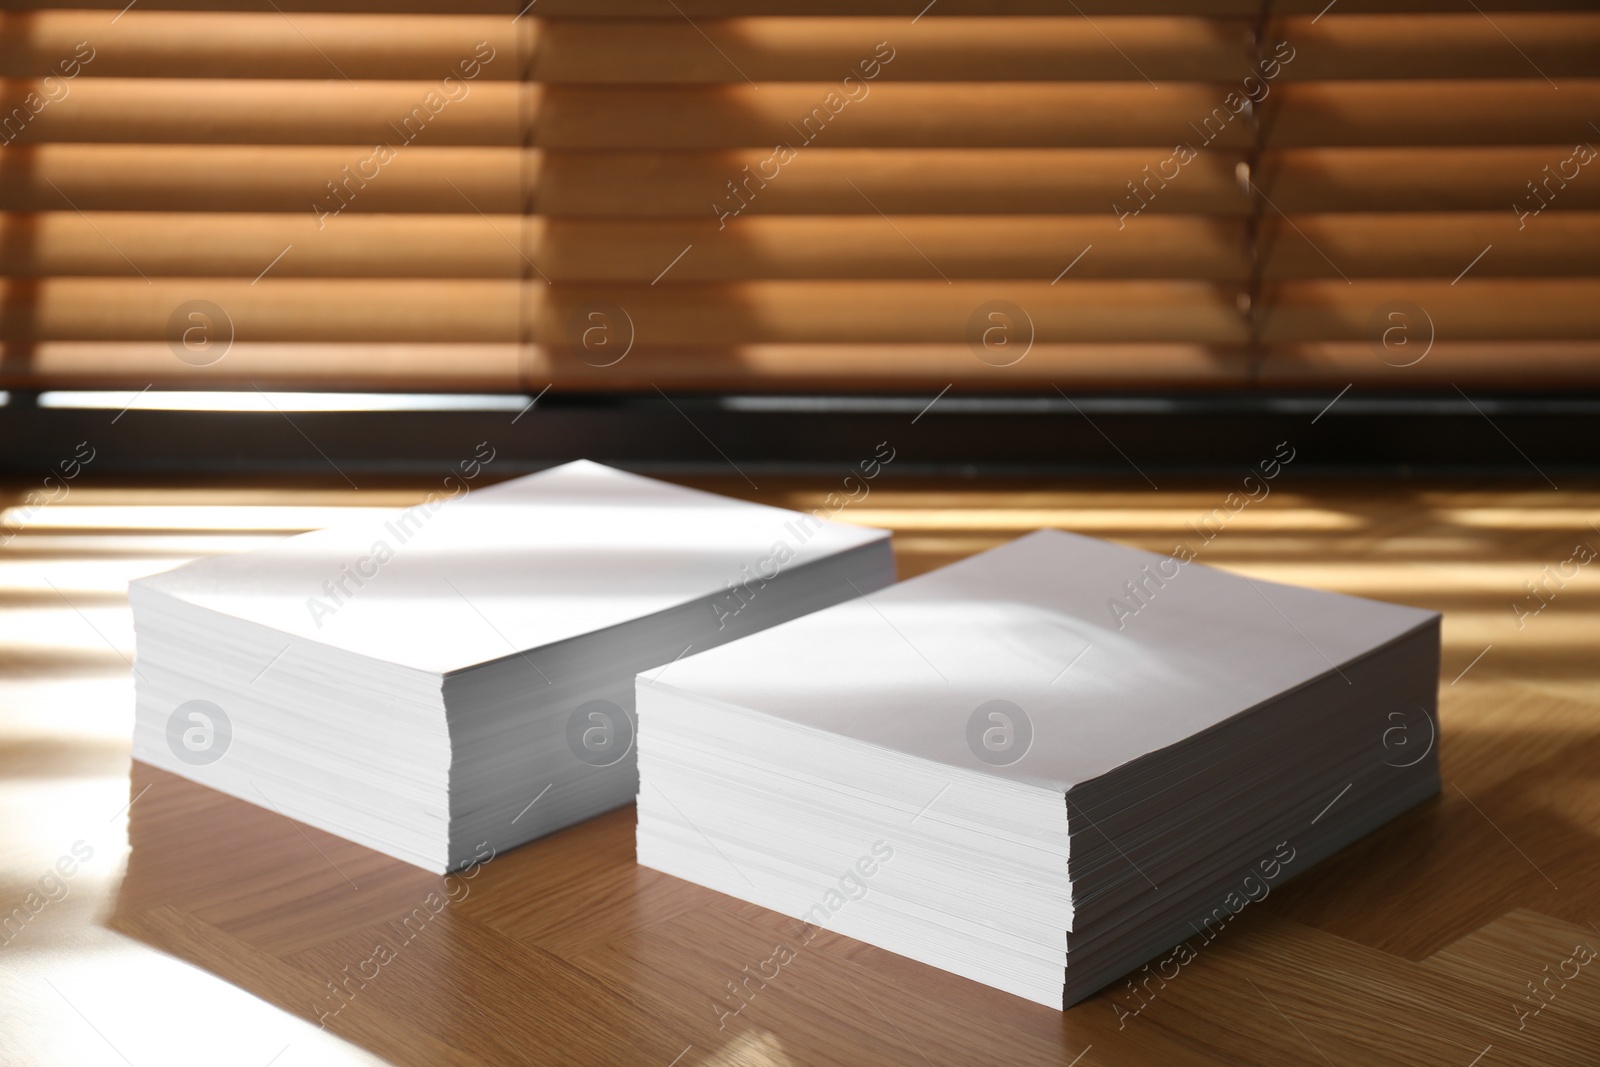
x=197, y=928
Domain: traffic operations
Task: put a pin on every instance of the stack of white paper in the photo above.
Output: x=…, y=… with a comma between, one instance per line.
x=1027, y=771
x=434, y=679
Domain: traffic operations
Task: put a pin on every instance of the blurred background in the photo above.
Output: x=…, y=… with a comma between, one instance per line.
x=285, y=236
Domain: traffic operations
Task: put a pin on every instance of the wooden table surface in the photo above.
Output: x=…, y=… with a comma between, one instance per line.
x=192, y=927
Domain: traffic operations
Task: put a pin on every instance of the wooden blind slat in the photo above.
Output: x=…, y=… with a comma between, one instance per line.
x=813, y=48
x=481, y=367
x=1519, y=364
x=605, y=250
x=124, y=309
x=1431, y=245
x=1419, y=179
x=157, y=44
x=265, y=44
x=801, y=117
x=1469, y=310
x=896, y=181
x=1459, y=45
x=356, y=366
x=69, y=309
x=166, y=111
x=1432, y=113
x=254, y=178
x=796, y=311
x=493, y=367
x=243, y=44
x=257, y=178
x=178, y=111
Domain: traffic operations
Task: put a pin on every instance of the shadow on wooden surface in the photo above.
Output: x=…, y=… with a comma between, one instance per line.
x=1451, y=933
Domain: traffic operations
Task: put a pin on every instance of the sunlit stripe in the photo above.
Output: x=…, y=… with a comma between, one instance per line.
x=91, y=630
x=1532, y=517
x=43, y=548
x=253, y=400
x=60, y=975
x=70, y=576
x=180, y=517
x=1453, y=579
x=1169, y=520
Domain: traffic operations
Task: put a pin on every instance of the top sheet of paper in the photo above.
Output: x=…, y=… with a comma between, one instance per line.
x=508, y=568
x=1031, y=623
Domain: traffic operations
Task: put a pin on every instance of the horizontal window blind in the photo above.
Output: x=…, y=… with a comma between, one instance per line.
x=777, y=196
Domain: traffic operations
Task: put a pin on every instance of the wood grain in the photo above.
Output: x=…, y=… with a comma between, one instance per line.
x=1413, y=946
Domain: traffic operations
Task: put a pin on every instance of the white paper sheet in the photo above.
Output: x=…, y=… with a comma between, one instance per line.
x=1030, y=623
x=566, y=552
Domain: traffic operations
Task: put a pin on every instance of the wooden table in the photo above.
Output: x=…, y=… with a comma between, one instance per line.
x=197, y=928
